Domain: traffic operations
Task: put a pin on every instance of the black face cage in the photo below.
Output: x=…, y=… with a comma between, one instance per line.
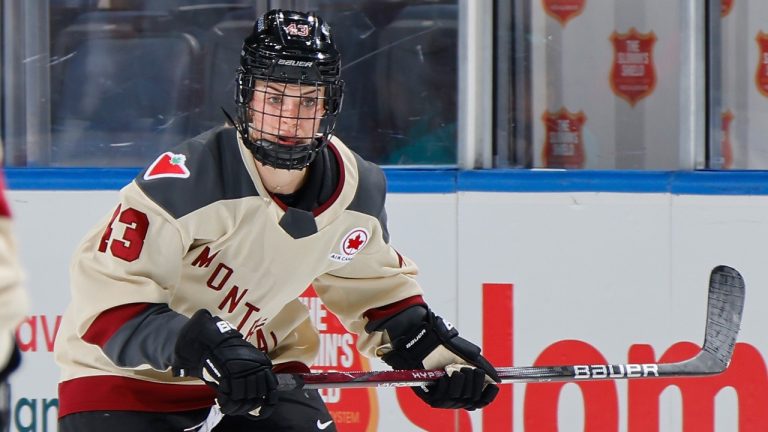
x=304, y=122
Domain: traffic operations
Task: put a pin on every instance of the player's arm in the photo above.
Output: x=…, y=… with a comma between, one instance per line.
x=124, y=274
x=394, y=323
x=376, y=296
x=202, y=346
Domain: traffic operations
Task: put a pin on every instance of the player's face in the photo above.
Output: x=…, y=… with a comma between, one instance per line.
x=286, y=113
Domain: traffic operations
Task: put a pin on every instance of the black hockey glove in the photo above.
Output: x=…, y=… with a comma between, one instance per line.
x=212, y=350
x=422, y=340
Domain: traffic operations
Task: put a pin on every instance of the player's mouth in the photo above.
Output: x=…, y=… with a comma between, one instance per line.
x=288, y=140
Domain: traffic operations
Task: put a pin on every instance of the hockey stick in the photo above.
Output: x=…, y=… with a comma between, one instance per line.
x=724, y=309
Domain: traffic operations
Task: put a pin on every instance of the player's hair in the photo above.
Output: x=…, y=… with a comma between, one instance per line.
x=288, y=47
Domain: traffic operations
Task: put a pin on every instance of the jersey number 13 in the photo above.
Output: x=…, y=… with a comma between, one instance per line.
x=128, y=247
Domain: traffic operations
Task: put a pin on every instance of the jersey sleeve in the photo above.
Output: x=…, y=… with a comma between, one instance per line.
x=379, y=282
x=122, y=278
x=371, y=288
x=13, y=297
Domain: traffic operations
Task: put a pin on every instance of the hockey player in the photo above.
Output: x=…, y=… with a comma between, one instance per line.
x=186, y=295
x=13, y=306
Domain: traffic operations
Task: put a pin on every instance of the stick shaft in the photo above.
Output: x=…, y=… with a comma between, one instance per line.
x=508, y=375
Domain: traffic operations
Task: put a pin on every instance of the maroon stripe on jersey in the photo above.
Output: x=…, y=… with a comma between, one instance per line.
x=278, y=201
x=400, y=260
x=110, y=321
x=114, y=393
x=5, y=210
x=389, y=310
x=339, y=186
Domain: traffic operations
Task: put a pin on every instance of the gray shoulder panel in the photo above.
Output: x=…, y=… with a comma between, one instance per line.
x=371, y=193
x=148, y=338
x=216, y=172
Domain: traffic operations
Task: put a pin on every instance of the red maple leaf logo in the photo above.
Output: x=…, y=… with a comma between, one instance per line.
x=355, y=243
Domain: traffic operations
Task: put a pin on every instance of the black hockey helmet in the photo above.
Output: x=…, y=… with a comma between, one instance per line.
x=288, y=48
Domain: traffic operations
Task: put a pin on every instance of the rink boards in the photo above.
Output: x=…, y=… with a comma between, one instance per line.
x=541, y=267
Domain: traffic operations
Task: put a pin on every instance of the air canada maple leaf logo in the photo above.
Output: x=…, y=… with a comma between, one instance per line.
x=351, y=244
x=168, y=165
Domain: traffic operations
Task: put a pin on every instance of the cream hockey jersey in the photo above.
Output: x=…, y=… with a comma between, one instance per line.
x=13, y=296
x=197, y=229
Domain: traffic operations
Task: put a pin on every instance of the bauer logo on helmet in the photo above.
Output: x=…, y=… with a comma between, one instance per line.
x=294, y=63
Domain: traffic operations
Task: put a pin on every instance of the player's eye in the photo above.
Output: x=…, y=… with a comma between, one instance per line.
x=276, y=100
x=308, y=102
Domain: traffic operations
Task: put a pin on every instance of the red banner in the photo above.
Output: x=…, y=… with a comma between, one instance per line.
x=633, y=75
x=564, y=143
x=563, y=10
x=352, y=409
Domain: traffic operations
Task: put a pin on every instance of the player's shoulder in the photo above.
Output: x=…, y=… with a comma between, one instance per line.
x=371, y=187
x=198, y=172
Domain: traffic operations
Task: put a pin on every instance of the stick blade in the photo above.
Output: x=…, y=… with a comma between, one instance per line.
x=724, y=311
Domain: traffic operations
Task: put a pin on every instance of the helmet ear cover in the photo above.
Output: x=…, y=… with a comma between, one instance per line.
x=292, y=48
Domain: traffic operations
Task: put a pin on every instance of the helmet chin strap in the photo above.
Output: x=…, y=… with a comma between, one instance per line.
x=281, y=181
x=283, y=156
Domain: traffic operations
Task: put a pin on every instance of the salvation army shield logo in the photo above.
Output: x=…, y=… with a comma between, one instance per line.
x=633, y=75
x=351, y=244
x=564, y=144
x=761, y=76
x=564, y=10
x=725, y=7
x=168, y=165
